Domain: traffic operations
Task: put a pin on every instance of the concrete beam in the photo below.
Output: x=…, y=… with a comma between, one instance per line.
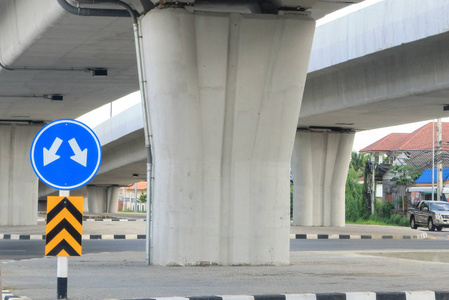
x=316, y=9
x=22, y=23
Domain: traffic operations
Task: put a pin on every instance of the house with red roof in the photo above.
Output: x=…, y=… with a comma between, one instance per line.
x=129, y=197
x=417, y=149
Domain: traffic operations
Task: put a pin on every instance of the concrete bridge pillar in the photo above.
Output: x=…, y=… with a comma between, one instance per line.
x=320, y=164
x=102, y=199
x=18, y=183
x=224, y=92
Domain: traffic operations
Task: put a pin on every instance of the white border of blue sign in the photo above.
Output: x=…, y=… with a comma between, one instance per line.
x=33, y=145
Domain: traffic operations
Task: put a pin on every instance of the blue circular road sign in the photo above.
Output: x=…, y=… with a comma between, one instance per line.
x=65, y=154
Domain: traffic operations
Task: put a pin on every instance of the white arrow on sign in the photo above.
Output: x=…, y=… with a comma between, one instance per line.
x=50, y=155
x=80, y=156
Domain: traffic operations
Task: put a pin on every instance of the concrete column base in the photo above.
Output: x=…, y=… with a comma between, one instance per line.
x=224, y=94
x=102, y=199
x=18, y=183
x=320, y=164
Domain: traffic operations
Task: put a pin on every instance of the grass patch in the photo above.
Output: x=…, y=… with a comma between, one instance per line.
x=132, y=211
x=370, y=222
x=394, y=220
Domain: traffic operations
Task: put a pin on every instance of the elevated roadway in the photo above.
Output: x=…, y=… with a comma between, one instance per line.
x=48, y=59
x=382, y=65
x=202, y=62
x=47, y=51
x=224, y=83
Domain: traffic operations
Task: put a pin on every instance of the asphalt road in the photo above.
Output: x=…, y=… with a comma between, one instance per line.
x=14, y=250
x=358, y=245
x=442, y=235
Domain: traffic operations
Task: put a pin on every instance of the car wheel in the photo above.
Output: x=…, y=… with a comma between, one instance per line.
x=413, y=223
x=431, y=226
x=439, y=228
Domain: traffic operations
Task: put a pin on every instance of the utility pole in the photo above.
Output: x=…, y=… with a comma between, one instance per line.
x=135, y=197
x=433, y=159
x=439, y=160
x=373, y=187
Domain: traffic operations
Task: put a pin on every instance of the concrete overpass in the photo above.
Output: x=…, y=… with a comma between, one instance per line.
x=388, y=60
x=383, y=69
x=222, y=79
x=388, y=65
x=393, y=82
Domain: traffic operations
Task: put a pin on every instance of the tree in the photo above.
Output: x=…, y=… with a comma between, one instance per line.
x=404, y=175
x=355, y=208
x=358, y=161
x=142, y=198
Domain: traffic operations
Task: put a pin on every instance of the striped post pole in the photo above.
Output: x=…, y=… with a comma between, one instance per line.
x=63, y=266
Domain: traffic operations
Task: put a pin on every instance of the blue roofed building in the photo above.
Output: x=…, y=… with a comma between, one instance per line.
x=422, y=188
x=414, y=149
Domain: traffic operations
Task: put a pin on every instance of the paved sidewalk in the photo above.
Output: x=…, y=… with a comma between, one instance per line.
x=124, y=275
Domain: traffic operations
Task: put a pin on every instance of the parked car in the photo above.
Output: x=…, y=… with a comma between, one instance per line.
x=431, y=214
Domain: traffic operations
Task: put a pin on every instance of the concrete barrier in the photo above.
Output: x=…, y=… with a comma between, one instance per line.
x=415, y=295
x=6, y=295
x=412, y=295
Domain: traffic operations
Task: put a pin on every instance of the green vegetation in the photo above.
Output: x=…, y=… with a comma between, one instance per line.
x=132, y=211
x=357, y=210
x=291, y=199
x=404, y=176
x=358, y=161
x=382, y=216
x=356, y=207
x=142, y=198
x=402, y=221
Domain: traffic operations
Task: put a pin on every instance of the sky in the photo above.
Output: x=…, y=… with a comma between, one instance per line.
x=101, y=114
x=362, y=139
x=347, y=10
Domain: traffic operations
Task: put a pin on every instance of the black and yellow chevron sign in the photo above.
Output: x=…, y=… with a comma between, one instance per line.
x=64, y=226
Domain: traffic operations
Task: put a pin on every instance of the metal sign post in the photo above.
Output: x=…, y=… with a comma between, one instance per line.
x=65, y=155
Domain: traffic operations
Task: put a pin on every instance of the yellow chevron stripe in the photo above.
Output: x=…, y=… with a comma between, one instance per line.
x=63, y=253
x=77, y=201
x=59, y=217
x=52, y=201
x=63, y=235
